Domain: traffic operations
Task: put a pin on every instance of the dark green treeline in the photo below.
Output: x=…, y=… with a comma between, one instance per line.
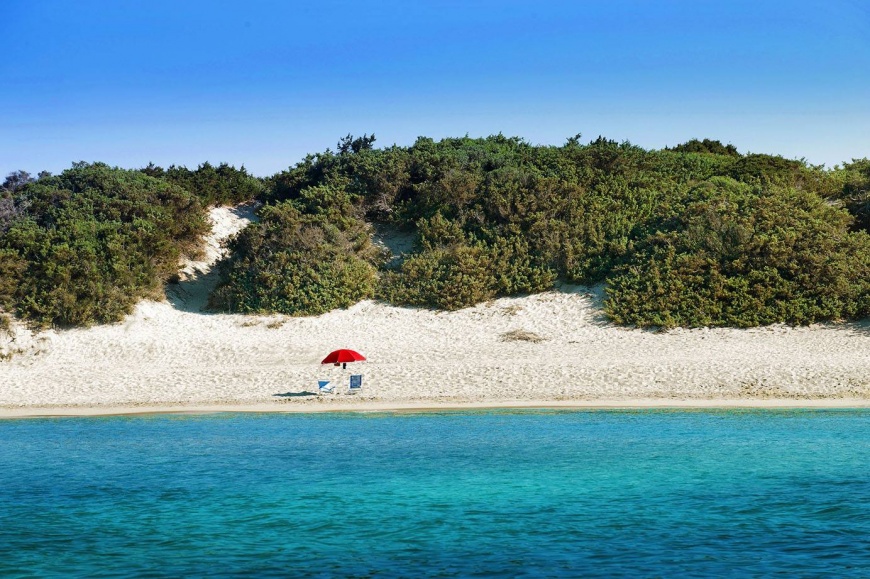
x=696, y=235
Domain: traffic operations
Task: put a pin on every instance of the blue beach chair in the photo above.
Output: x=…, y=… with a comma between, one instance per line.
x=324, y=388
x=355, y=384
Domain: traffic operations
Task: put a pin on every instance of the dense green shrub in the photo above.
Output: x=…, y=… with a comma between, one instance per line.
x=89, y=243
x=855, y=191
x=498, y=216
x=460, y=275
x=446, y=278
x=744, y=256
x=371, y=179
x=694, y=235
x=12, y=267
x=221, y=185
x=706, y=146
x=296, y=264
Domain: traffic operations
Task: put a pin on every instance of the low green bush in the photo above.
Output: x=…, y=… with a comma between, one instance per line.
x=295, y=264
x=746, y=256
x=855, y=191
x=445, y=278
x=221, y=185
x=708, y=146
x=91, y=242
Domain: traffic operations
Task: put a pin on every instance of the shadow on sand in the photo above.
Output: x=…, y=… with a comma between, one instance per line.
x=199, y=278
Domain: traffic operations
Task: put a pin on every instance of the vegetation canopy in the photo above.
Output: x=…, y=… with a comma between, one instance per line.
x=297, y=264
x=696, y=235
x=83, y=247
x=699, y=234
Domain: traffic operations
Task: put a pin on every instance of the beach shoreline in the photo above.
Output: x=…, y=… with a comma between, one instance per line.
x=437, y=406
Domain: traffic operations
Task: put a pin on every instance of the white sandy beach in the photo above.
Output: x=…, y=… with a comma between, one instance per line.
x=170, y=356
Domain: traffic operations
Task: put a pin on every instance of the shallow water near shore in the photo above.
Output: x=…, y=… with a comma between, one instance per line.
x=488, y=493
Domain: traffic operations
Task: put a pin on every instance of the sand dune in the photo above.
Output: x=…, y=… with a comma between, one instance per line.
x=171, y=354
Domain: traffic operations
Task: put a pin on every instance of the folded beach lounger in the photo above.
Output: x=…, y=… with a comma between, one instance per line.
x=355, y=383
x=324, y=388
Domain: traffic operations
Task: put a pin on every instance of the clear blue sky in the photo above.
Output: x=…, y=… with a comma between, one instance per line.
x=262, y=83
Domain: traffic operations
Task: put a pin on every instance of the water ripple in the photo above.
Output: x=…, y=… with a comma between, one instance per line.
x=518, y=494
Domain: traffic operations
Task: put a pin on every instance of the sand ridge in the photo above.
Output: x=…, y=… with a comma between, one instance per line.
x=171, y=354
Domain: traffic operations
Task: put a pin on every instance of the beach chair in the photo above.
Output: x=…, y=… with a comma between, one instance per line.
x=324, y=387
x=355, y=384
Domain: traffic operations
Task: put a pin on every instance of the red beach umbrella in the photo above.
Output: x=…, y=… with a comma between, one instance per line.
x=343, y=357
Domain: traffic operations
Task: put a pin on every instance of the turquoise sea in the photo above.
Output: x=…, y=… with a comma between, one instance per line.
x=449, y=494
